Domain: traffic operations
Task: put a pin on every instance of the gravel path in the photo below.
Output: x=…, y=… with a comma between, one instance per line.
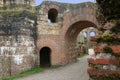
x=73, y=71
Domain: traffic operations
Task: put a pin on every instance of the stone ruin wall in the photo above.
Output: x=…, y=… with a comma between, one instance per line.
x=17, y=48
x=54, y=32
x=7, y=2
x=20, y=38
x=46, y=27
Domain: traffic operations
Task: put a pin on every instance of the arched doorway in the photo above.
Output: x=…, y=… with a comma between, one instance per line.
x=71, y=38
x=45, y=57
x=73, y=30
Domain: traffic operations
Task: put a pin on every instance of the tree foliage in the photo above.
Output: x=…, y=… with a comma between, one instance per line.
x=109, y=9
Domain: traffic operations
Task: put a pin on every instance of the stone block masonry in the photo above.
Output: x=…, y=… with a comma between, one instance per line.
x=105, y=66
x=17, y=45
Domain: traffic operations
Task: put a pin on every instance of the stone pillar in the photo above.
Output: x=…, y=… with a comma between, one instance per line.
x=82, y=37
x=1, y=3
x=88, y=35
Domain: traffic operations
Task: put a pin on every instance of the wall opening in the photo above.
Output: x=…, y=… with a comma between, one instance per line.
x=45, y=57
x=92, y=34
x=52, y=15
x=72, y=34
x=85, y=35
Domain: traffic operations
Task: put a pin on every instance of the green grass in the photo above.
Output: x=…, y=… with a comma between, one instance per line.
x=82, y=55
x=23, y=74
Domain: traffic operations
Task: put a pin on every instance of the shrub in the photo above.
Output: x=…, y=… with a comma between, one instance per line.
x=107, y=49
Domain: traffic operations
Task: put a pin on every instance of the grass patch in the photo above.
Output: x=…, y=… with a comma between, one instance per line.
x=82, y=55
x=23, y=74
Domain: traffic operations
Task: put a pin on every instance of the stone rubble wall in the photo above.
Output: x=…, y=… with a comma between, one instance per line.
x=17, y=45
x=104, y=65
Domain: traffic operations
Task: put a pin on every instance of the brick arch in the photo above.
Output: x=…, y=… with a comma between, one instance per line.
x=63, y=44
x=80, y=14
x=74, y=29
x=52, y=6
x=45, y=8
x=70, y=37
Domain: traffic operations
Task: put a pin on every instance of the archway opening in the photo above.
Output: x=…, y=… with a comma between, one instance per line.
x=52, y=15
x=45, y=57
x=86, y=34
x=71, y=38
x=74, y=30
x=92, y=34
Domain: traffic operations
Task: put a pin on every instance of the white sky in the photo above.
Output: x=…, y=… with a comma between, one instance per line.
x=38, y=2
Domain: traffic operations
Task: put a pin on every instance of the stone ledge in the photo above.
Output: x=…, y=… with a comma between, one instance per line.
x=100, y=72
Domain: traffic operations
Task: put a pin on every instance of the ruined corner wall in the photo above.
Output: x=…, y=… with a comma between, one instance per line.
x=17, y=44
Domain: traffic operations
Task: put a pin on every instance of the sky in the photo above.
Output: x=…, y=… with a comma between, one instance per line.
x=38, y=2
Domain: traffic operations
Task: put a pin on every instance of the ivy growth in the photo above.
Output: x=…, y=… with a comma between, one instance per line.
x=107, y=49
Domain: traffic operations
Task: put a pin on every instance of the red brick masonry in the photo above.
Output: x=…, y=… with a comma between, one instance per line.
x=99, y=49
x=104, y=61
x=101, y=72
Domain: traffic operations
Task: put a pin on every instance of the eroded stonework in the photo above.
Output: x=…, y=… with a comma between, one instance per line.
x=61, y=34
x=17, y=44
x=57, y=26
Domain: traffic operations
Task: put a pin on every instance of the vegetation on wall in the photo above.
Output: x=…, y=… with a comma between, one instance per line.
x=116, y=29
x=19, y=19
x=110, y=39
x=109, y=42
x=16, y=6
x=19, y=13
x=109, y=10
x=107, y=49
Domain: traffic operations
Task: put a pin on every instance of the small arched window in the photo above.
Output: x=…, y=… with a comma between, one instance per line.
x=92, y=33
x=52, y=15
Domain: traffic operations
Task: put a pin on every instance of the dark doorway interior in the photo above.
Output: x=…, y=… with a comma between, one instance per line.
x=52, y=15
x=45, y=60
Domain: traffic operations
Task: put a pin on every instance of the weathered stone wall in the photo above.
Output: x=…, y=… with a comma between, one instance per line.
x=7, y=2
x=19, y=36
x=17, y=45
x=104, y=65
